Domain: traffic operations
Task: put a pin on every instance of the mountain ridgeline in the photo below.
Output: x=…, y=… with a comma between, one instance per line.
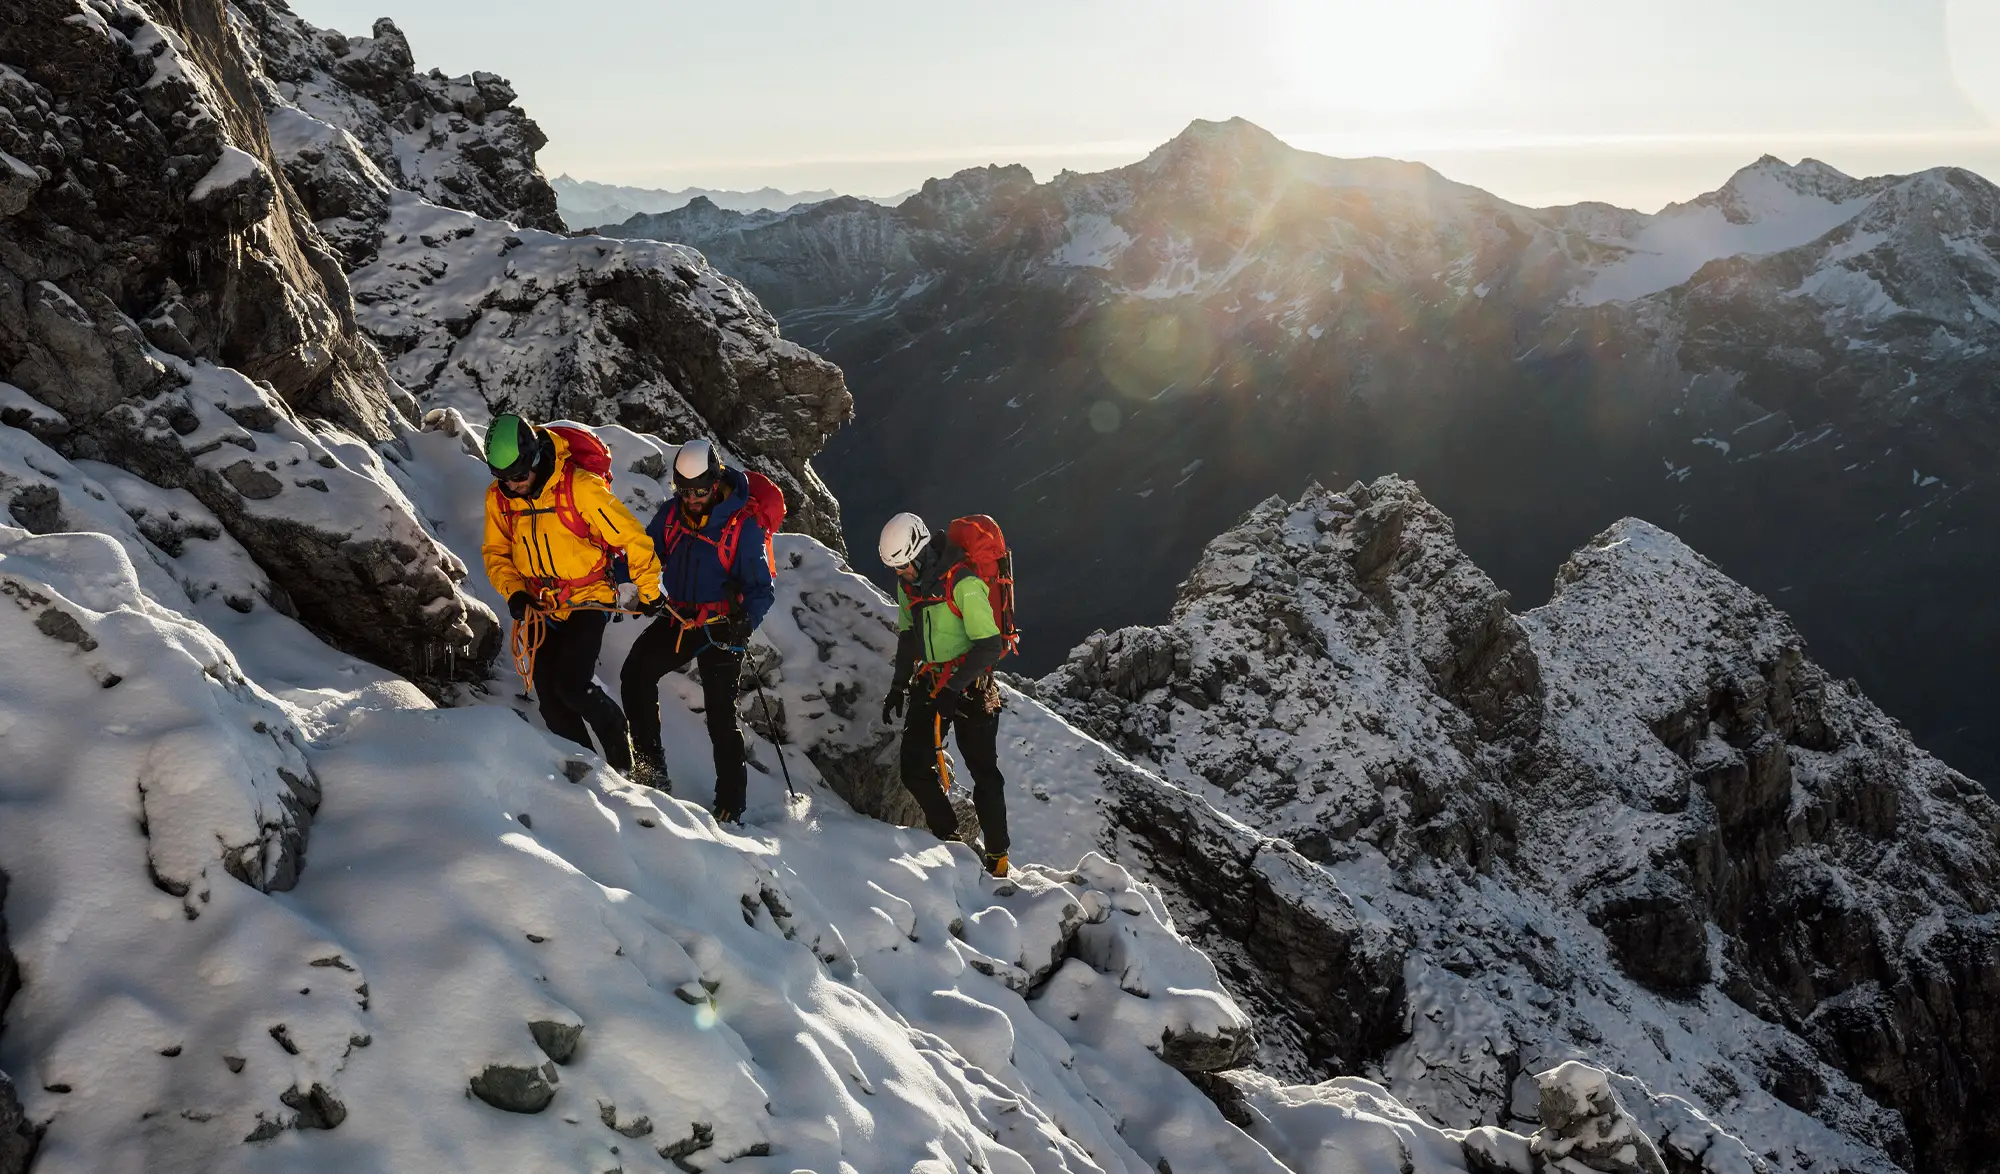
x=1795, y=373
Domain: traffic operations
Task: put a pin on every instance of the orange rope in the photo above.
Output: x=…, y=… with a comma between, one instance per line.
x=944, y=763
x=525, y=640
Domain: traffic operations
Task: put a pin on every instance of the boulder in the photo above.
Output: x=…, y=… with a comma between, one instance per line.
x=1584, y=1122
x=517, y=1088
x=557, y=1039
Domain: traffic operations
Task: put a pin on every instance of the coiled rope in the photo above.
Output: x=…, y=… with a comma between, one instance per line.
x=525, y=640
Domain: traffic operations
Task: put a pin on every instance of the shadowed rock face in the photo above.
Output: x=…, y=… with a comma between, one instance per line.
x=1646, y=781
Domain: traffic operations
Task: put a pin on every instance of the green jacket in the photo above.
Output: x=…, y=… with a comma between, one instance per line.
x=946, y=637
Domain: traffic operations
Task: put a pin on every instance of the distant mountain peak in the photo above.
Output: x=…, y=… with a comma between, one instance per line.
x=1772, y=185
x=1234, y=138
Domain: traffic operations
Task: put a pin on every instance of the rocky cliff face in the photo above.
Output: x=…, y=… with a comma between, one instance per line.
x=167, y=305
x=458, y=141
x=1129, y=359
x=1636, y=824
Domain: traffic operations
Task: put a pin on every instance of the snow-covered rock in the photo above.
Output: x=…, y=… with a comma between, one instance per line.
x=479, y=316
x=1584, y=1124
x=1596, y=831
x=460, y=141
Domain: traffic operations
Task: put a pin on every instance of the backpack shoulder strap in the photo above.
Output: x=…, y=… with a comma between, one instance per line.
x=951, y=586
x=731, y=537
x=506, y=511
x=567, y=512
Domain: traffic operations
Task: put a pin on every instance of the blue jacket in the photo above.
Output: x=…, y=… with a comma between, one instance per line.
x=691, y=572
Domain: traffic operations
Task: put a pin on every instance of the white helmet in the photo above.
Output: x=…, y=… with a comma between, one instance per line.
x=903, y=539
x=696, y=464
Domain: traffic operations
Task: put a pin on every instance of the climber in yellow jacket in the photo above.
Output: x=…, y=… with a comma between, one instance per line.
x=552, y=524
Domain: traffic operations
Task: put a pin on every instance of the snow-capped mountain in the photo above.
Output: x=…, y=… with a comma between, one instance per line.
x=290, y=876
x=584, y=202
x=1794, y=371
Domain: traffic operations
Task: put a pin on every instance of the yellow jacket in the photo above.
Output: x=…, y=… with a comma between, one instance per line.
x=547, y=559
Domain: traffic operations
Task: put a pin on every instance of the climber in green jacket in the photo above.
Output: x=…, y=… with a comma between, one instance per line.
x=945, y=653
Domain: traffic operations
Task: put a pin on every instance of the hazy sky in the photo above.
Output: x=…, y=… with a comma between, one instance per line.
x=1542, y=101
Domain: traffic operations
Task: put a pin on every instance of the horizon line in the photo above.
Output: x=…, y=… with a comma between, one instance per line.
x=1350, y=145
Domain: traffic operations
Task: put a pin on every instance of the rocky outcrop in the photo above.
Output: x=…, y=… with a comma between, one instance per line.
x=1584, y=1123
x=484, y=318
x=1848, y=875
x=17, y=1140
x=157, y=217
x=456, y=141
x=1313, y=594
x=479, y=309
x=1279, y=926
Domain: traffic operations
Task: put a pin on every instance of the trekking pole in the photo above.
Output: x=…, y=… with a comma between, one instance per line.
x=775, y=744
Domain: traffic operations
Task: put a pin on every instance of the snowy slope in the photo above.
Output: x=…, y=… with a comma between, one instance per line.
x=468, y=880
x=1767, y=207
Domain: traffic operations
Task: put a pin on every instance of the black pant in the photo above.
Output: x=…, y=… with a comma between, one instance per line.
x=662, y=648
x=564, y=666
x=978, y=744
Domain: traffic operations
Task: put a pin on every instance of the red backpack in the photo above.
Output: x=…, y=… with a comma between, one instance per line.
x=979, y=539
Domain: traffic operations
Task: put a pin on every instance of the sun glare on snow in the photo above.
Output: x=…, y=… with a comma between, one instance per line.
x=1383, y=56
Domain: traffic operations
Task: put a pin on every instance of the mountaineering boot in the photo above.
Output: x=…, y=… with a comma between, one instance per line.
x=649, y=767
x=727, y=815
x=648, y=773
x=995, y=862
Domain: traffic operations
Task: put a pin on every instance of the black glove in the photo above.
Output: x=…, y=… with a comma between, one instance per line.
x=892, y=706
x=656, y=606
x=734, y=632
x=519, y=603
x=952, y=704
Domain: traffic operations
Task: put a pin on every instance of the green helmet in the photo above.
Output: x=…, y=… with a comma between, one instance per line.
x=512, y=446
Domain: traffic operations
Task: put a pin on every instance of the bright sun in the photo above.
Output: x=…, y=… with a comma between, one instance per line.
x=1387, y=55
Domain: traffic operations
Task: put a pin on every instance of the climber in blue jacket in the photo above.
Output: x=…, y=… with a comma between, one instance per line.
x=716, y=585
